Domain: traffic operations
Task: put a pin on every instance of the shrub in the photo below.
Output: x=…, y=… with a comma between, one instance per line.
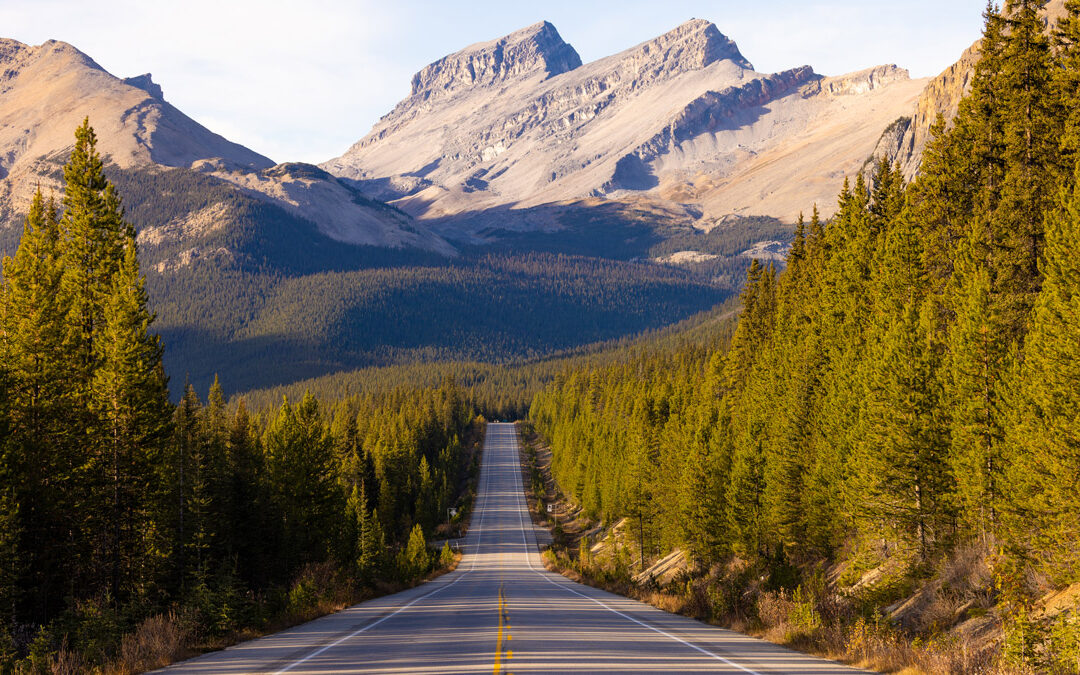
x=157, y=642
x=319, y=588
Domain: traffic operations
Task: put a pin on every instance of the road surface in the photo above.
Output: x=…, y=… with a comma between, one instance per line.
x=501, y=612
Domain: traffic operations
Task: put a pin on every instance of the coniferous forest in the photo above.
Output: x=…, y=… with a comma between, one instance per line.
x=884, y=450
x=127, y=520
x=899, y=401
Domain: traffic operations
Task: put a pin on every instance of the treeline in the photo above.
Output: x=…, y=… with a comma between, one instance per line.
x=909, y=384
x=118, y=508
x=492, y=309
x=506, y=391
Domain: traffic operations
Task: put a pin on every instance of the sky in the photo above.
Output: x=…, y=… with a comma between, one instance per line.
x=305, y=79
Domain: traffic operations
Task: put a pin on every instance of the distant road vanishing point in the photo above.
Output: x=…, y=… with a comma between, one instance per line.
x=502, y=612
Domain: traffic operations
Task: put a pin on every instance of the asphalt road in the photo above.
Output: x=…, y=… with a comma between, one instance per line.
x=501, y=612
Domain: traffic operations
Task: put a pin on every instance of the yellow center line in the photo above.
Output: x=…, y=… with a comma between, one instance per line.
x=499, y=639
x=504, y=628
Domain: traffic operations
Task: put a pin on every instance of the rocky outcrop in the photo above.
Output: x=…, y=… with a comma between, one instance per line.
x=941, y=98
x=713, y=111
x=677, y=117
x=904, y=140
x=147, y=84
x=864, y=81
x=535, y=49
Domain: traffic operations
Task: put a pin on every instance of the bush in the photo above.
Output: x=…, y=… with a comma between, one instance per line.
x=319, y=588
x=157, y=642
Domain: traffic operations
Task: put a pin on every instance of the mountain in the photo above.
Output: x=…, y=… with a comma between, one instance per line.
x=683, y=120
x=589, y=201
x=47, y=90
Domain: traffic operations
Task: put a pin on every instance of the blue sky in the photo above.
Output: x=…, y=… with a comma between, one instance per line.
x=303, y=80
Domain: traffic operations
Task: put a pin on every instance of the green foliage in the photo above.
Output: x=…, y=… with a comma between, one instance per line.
x=910, y=379
x=116, y=506
x=415, y=559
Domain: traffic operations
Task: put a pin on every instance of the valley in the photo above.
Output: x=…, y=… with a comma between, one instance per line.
x=792, y=355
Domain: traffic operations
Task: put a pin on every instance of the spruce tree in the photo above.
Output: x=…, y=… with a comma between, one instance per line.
x=1067, y=86
x=978, y=363
x=94, y=235
x=131, y=402
x=1030, y=160
x=42, y=461
x=906, y=477
x=1044, y=436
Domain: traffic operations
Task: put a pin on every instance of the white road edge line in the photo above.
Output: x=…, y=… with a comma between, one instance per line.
x=545, y=577
x=324, y=648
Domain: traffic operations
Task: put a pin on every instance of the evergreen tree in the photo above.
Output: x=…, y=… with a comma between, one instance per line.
x=1044, y=438
x=131, y=401
x=1067, y=86
x=1030, y=160
x=41, y=462
x=977, y=359
x=299, y=465
x=94, y=234
x=372, y=544
x=907, y=478
x=702, y=503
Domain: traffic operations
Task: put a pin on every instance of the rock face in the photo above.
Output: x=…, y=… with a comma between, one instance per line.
x=905, y=140
x=47, y=90
x=518, y=123
x=538, y=48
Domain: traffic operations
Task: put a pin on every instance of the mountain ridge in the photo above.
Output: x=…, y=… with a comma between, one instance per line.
x=47, y=90
x=635, y=123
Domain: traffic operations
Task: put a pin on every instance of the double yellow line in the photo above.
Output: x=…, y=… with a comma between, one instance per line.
x=504, y=627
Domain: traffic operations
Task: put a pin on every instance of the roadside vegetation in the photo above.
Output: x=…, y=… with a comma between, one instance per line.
x=883, y=466
x=134, y=531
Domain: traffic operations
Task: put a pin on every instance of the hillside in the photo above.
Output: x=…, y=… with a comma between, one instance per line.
x=47, y=90
x=905, y=140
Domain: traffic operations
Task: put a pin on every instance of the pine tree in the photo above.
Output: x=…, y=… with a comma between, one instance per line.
x=299, y=465
x=1067, y=86
x=1030, y=161
x=131, y=401
x=94, y=234
x=1044, y=436
x=372, y=543
x=907, y=481
x=702, y=504
x=415, y=558
x=42, y=463
x=978, y=362
x=11, y=569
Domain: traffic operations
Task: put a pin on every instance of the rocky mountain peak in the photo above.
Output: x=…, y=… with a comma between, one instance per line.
x=147, y=84
x=535, y=49
x=693, y=45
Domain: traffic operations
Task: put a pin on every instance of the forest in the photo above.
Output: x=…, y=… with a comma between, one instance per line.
x=900, y=400
x=134, y=531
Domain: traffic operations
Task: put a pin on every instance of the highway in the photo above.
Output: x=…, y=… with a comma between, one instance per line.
x=501, y=612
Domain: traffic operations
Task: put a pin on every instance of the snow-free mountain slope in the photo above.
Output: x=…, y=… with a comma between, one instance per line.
x=45, y=93
x=682, y=117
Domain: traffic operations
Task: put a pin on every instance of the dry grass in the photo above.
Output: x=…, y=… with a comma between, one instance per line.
x=820, y=622
x=157, y=642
